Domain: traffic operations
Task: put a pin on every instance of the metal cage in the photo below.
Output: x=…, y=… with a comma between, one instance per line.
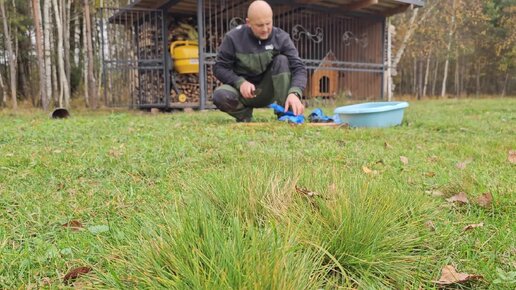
x=345, y=53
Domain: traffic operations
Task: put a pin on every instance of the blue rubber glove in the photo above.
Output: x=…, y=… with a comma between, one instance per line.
x=287, y=116
x=317, y=116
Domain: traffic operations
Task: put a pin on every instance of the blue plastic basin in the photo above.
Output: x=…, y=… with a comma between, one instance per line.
x=375, y=114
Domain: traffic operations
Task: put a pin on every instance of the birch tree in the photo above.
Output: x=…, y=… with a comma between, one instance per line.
x=448, y=49
x=63, y=80
x=91, y=77
x=11, y=56
x=39, y=52
x=47, y=28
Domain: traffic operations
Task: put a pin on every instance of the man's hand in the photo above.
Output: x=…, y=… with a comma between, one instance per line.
x=247, y=90
x=295, y=103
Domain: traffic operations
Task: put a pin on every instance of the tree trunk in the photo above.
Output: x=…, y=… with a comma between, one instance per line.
x=448, y=49
x=66, y=41
x=414, y=78
x=65, y=89
x=4, y=91
x=39, y=52
x=434, y=81
x=427, y=72
x=12, y=58
x=478, y=79
x=48, y=52
x=85, y=63
x=457, y=73
x=89, y=48
x=77, y=40
x=504, y=88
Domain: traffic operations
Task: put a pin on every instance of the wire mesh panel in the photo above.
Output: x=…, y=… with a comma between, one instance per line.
x=344, y=54
x=133, y=57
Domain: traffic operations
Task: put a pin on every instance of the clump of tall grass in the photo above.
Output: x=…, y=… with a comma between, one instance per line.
x=194, y=247
x=372, y=238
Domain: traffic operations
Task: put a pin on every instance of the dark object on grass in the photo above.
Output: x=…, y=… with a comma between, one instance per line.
x=76, y=273
x=60, y=113
x=317, y=116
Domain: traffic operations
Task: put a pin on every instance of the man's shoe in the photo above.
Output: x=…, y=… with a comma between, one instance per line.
x=245, y=120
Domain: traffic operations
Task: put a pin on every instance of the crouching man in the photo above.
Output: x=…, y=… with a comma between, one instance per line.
x=258, y=65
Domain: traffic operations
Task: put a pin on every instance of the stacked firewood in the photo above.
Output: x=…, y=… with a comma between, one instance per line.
x=188, y=84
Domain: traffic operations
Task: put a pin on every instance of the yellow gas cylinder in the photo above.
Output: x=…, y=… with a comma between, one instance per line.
x=185, y=54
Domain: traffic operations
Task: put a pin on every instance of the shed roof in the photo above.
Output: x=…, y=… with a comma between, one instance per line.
x=374, y=7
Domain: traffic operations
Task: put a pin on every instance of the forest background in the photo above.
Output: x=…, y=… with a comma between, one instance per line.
x=449, y=48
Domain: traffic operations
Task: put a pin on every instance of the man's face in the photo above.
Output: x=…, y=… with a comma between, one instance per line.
x=261, y=26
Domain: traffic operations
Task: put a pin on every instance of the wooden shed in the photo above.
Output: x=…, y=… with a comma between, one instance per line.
x=342, y=42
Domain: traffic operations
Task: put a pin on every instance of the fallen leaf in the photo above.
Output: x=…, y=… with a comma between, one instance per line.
x=459, y=198
x=387, y=145
x=462, y=165
x=76, y=273
x=432, y=158
x=430, y=174
x=512, y=156
x=430, y=225
x=115, y=153
x=73, y=225
x=404, y=160
x=368, y=171
x=305, y=191
x=450, y=276
x=485, y=199
x=472, y=226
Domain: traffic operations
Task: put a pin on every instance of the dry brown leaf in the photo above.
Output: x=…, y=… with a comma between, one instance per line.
x=432, y=158
x=450, y=276
x=76, y=273
x=115, y=153
x=512, y=156
x=367, y=170
x=485, y=199
x=74, y=225
x=387, y=145
x=430, y=225
x=472, y=226
x=305, y=191
x=459, y=198
x=462, y=165
x=404, y=160
x=430, y=174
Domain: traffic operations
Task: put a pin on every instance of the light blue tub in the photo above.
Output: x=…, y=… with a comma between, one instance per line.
x=375, y=114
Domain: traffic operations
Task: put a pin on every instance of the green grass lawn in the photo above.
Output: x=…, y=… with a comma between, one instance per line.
x=196, y=201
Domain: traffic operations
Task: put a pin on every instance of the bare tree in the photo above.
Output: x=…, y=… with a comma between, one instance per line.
x=39, y=51
x=63, y=80
x=47, y=24
x=4, y=91
x=91, y=77
x=448, y=49
x=12, y=58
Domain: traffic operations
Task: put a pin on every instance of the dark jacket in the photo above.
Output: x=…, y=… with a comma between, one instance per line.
x=242, y=56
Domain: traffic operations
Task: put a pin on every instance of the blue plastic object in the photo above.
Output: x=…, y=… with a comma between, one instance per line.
x=288, y=115
x=317, y=116
x=374, y=114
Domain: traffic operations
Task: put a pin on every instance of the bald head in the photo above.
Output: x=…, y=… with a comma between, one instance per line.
x=259, y=19
x=259, y=9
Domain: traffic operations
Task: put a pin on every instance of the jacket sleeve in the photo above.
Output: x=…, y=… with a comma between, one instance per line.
x=225, y=62
x=296, y=65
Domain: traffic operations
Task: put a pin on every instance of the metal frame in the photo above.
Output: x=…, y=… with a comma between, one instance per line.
x=213, y=20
